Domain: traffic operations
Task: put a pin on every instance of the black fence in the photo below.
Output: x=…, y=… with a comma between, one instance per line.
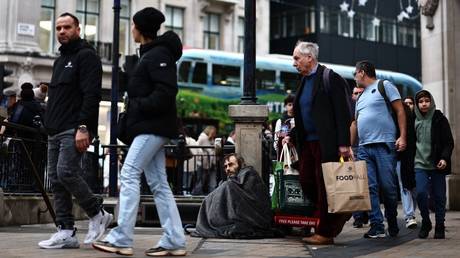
x=191, y=170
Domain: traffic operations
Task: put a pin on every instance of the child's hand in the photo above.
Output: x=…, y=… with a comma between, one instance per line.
x=441, y=164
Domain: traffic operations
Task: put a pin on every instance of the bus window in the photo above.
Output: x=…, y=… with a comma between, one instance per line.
x=289, y=80
x=199, y=73
x=265, y=79
x=184, y=69
x=224, y=75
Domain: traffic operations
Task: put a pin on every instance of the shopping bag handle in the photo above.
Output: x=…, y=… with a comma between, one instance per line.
x=342, y=159
x=286, y=155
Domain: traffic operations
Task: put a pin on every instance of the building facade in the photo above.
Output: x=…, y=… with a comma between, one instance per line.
x=385, y=32
x=28, y=44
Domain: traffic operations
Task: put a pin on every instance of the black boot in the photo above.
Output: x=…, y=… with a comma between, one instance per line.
x=425, y=229
x=439, y=231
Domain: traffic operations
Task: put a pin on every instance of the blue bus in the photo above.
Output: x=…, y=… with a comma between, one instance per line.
x=219, y=74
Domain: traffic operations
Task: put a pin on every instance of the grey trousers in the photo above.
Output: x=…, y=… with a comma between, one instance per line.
x=64, y=171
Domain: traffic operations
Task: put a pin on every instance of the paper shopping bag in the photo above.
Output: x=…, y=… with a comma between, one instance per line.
x=346, y=186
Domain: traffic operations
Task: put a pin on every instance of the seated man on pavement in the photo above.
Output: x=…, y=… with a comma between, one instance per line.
x=239, y=207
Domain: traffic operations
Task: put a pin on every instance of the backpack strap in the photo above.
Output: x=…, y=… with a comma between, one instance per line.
x=381, y=88
x=326, y=79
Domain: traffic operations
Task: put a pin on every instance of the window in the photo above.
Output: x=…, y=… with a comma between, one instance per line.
x=175, y=20
x=367, y=29
x=293, y=23
x=211, y=31
x=289, y=80
x=407, y=36
x=324, y=22
x=184, y=70
x=265, y=79
x=275, y=27
x=345, y=25
x=200, y=73
x=240, y=34
x=225, y=75
x=46, y=32
x=125, y=28
x=88, y=14
x=388, y=32
x=328, y=21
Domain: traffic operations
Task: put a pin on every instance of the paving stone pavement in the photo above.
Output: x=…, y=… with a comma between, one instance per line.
x=21, y=241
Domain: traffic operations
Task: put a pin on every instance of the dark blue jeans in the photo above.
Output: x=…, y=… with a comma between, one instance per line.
x=424, y=179
x=64, y=171
x=381, y=171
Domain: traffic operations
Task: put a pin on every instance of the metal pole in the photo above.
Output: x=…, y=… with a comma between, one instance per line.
x=249, y=89
x=113, y=172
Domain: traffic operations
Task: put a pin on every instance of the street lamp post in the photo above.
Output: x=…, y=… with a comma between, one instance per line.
x=249, y=89
x=113, y=172
x=248, y=115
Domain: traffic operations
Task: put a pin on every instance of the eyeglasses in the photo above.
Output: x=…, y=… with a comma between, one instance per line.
x=355, y=72
x=408, y=102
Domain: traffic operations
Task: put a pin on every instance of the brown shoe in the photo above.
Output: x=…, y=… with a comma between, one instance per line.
x=318, y=240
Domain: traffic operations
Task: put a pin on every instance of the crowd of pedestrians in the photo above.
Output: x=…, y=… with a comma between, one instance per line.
x=406, y=145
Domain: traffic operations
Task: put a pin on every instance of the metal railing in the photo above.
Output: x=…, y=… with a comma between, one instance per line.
x=17, y=143
x=191, y=170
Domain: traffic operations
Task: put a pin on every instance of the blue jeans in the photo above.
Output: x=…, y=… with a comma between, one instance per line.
x=381, y=165
x=146, y=154
x=424, y=178
x=408, y=199
x=64, y=172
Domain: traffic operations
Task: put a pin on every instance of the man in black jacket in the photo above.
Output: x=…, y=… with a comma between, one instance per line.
x=322, y=119
x=71, y=120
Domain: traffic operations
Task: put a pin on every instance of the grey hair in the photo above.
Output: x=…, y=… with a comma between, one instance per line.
x=306, y=48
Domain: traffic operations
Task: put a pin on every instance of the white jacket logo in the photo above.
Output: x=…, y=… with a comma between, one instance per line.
x=69, y=65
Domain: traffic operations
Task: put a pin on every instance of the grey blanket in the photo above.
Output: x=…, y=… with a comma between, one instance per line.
x=239, y=208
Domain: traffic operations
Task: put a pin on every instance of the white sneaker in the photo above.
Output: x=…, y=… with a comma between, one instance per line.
x=97, y=226
x=411, y=223
x=62, y=239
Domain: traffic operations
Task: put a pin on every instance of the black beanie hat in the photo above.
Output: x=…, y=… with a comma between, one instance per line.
x=148, y=21
x=26, y=91
x=26, y=85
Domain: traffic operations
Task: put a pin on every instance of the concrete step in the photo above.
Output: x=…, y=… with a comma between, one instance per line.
x=148, y=216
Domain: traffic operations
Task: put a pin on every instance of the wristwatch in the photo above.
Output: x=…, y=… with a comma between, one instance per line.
x=82, y=129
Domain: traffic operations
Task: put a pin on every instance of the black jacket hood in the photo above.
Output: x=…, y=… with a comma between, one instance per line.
x=74, y=46
x=169, y=40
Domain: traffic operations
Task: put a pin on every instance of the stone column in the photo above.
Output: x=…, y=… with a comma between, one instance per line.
x=249, y=121
x=440, y=67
